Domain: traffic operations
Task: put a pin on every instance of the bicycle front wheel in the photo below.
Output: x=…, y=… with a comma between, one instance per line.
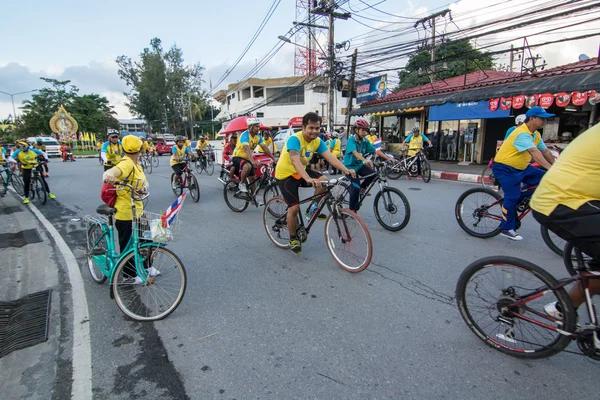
x=501, y=300
x=425, y=170
x=392, y=209
x=97, y=251
x=193, y=187
x=553, y=241
x=479, y=212
x=275, y=222
x=39, y=189
x=572, y=264
x=163, y=291
x=18, y=184
x=233, y=199
x=394, y=171
x=210, y=167
x=177, y=190
x=148, y=165
x=155, y=161
x=198, y=166
x=348, y=240
x=270, y=191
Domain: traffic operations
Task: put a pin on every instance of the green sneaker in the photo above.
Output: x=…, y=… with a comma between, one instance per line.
x=51, y=196
x=295, y=246
x=26, y=201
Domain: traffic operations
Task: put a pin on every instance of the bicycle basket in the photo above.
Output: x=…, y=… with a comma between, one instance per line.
x=153, y=227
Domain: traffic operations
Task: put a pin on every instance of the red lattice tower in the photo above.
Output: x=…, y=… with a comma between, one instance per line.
x=310, y=41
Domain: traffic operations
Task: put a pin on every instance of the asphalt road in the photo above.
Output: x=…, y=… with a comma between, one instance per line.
x=259, y=322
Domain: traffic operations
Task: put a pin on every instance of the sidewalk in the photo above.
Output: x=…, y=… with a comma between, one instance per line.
x=29, y=265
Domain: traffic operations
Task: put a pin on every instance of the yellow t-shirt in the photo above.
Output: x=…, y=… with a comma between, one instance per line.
x=415, y=143
x=574, y=179
x=187, y=143
x=510, y=155
x=178, y=155
x=269, y=142
x=113, y=153
x=144, y=147
x=28, y=159
x=247, y=139
x=99, y=145
x=202, y=145
x=335, y=149
x=371, y=138
x=285, y=168
x=134, y=173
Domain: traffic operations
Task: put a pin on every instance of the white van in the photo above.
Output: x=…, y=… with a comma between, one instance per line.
x=281, y=137
x=52, y=146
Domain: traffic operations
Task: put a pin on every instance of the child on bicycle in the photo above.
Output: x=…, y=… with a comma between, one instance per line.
x=415, y=144
x=357, y=148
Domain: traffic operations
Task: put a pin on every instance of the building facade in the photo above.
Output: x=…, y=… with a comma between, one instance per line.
x=277, y=100
x=133, y=125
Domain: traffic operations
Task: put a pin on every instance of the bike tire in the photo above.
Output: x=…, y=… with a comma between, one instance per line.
x=402, y=207
x=425, y=170
x=277, y=229
x=487, y=178
x=176, y=190
x=353, y=226
x=234, y=203
x=97, y=242
x=154, y=291
x=270, y=191
x=193, y=188
x=494, y=228
x=40, y=190
x=210, y=167
x=18, y=185
x=148, y=164
x=498, y=311
x=100, y=160
x=394, y=172
x=553, y=241
x=198, y=167
x=570, y=260
x=341, y=192
x=155, y=161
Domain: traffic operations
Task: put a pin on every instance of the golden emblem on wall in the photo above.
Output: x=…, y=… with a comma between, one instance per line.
x=62, y=122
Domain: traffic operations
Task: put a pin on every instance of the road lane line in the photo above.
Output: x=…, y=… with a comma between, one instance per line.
x=82, y=349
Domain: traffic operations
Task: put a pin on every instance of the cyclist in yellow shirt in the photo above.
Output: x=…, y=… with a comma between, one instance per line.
x=567, y=201
x=201, y=147
x=144, y=146
x=415, y=143
x=112, y=151
x=178, y=159
x=268, y=142
x=372, y=137
x=28, y=156
x=242, y=155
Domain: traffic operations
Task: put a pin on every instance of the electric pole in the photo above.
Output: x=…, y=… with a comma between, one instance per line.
x=431, y=19
x=351, y=88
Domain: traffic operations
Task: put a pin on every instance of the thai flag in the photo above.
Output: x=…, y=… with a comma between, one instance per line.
x=169, y=215
x=377, y=144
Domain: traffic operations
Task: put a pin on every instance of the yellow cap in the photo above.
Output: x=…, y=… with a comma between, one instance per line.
x=131, y=144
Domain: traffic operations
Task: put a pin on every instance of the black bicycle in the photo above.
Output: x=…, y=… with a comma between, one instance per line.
x=390, y=205
x=263, y=179
x=409, y=165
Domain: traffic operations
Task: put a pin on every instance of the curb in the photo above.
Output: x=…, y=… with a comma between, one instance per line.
x=456, y=176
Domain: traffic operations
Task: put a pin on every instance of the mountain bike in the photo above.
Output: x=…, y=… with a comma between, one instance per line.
x=9, y=174
x=478, y=212
x=206, y=163
x=188, y=181
x=408, y=165
x=37, y=186
x=390, y=205
x=263, y=178
x=346, y=235
x=502, y=301
x=147, y=281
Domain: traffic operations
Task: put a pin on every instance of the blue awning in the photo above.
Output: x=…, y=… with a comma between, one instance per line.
x=465, y=110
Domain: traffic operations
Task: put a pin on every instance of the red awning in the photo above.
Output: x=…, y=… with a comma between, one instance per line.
x=239, y=125
x=295, y=122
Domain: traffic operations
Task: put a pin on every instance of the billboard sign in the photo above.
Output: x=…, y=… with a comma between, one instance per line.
x=371, y=89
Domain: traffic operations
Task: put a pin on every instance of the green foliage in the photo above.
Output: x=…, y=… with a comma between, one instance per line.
x=460, y=58
x=163, y=89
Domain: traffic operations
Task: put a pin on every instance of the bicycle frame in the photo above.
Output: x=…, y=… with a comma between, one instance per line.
x=520, y=215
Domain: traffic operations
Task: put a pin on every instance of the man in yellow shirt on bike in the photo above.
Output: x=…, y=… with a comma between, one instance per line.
x=28, y=156
x=242, y=155
x=178, y=159
x=112, y=150
x=415, y=143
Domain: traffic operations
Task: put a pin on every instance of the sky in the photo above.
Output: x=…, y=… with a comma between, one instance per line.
x=80, y=40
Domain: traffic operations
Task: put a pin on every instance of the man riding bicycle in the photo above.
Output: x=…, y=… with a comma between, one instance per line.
x=268, y=142
x=512, y=169
x=242, y=156
x=415, y=143
x=357, y=148
x=28, y=156
x=112, y=150
x=178, y=159
x=201, y=148
x=291, y=172
x=567, y=201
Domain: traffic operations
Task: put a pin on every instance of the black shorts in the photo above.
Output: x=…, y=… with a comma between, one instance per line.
x=289, y=187
x=579, y=227
x=178, y=168
x=238, y=163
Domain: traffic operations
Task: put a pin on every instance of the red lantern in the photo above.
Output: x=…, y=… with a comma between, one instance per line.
x=518, y=101
x=505, y=103
x=579, y=98
x=562, y=99
x=546, y=100
x=493, y=104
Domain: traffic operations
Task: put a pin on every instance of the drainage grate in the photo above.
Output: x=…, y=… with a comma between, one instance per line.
x=19, y=239
x=9, y=210
x=24, y=322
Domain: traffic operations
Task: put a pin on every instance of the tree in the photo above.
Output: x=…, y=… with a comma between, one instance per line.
x=93, y=113
x=161, y=86
x=459, y=55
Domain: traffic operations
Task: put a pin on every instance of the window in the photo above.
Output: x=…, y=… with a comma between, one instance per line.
x=260, y=115
x=285, y=96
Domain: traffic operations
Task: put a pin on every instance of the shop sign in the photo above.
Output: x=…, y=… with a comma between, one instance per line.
x=493, y=104
x=518, y=101
x=563, y=99
x=546, y=100
x=505, y=103
x=579, y=98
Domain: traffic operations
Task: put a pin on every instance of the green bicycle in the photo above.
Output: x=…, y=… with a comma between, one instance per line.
x=147, y=281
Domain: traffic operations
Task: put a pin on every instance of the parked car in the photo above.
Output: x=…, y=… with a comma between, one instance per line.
x=280, y=139
x=52, y=146
x=163, y=147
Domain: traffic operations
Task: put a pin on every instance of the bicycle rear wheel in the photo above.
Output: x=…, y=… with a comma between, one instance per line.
x=193, y=187
x=553, y=241
x=232, y=197
x=160, y=295
x=39, y=189
x=500, y=301
x=394, y=171
x=177, y=190
x=97, y=250
x=392, y=209
x=198, y=166
x=275, y=222
x=270, y=191
x=425, y=170
x=148, y=165
x=18, y=184
x=571, y=262
x=348, y=240
x=210, y=167
x=479, y=212
x=155, y=161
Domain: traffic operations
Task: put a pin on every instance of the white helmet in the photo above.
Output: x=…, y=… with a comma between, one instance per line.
x=252, y=121
x=520, y=119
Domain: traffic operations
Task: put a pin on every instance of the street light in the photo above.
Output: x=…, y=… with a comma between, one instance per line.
x=283, y=38
x=13, y=100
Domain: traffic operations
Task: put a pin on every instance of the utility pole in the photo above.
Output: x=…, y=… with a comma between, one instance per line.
x=511, y=58
x=431, y=19
x=351, y=88
x=192, y=136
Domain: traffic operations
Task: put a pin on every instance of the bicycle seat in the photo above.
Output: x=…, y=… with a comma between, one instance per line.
x=105, y=209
